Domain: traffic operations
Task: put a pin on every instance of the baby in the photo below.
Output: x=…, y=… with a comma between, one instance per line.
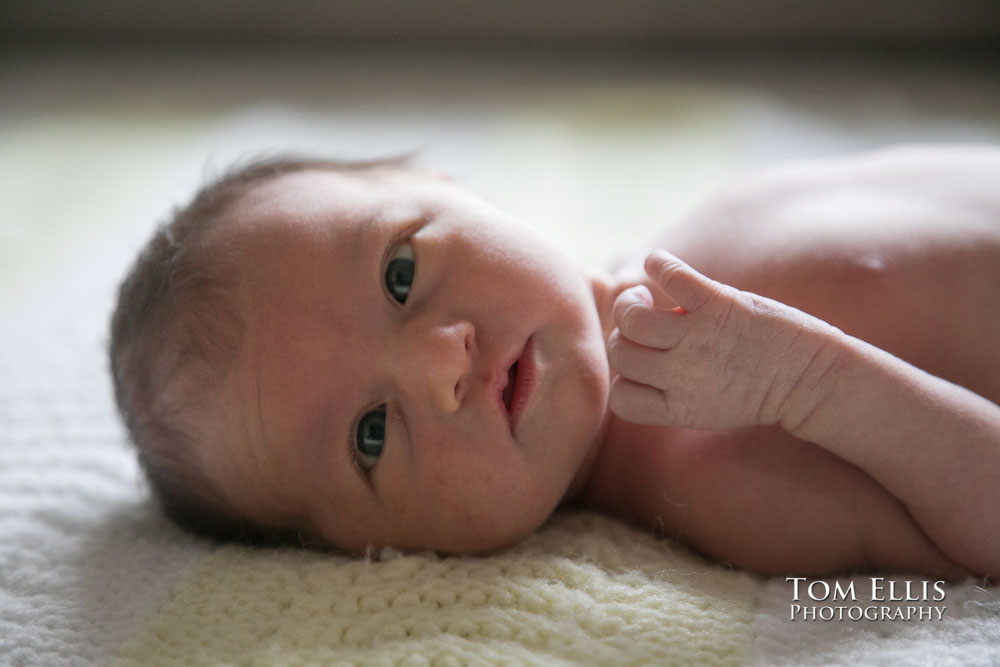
x=367, y=355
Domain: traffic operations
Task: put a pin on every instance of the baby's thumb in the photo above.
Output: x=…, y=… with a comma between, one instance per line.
x=688, y=288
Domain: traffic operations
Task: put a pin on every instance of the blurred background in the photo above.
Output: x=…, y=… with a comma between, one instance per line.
x=599, y=121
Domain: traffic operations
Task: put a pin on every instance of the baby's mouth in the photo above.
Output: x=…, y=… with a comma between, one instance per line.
x=508, y=391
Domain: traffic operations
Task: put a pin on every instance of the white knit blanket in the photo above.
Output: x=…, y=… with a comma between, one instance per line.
x=90, y=573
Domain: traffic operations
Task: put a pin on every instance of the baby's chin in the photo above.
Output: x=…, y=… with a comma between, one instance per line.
x=499, y=529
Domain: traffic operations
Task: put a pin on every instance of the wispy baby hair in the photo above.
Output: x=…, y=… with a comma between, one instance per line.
x=175, y=334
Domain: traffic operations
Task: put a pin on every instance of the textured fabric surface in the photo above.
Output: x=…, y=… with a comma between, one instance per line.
x=585, y=589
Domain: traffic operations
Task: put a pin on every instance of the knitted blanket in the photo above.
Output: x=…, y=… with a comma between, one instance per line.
x=90, y=572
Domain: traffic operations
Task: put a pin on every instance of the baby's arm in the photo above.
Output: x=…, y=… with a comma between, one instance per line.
x=728, y=359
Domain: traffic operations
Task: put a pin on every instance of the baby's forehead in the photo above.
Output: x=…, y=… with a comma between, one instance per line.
x=298, y=217
x=298, y=192
x=319, y=196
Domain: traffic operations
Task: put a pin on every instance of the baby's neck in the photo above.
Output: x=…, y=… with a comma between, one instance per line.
x=582, y=479
x=606, y=289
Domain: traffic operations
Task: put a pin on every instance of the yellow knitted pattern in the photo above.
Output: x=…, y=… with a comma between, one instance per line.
x=585, y=589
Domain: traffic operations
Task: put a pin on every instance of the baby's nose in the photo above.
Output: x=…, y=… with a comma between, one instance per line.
x=443, y=359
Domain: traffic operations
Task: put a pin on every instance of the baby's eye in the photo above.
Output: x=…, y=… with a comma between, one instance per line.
x=370, y=438
x=399, y=272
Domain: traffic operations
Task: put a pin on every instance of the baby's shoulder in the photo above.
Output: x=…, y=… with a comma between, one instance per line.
x=906, y=194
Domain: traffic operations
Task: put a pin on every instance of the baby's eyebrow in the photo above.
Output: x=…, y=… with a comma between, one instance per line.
x=373, y=240
x=364, y=237
x=367, y=247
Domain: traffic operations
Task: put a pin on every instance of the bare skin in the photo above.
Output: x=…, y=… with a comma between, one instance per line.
x=814, y=392
x=862, y=435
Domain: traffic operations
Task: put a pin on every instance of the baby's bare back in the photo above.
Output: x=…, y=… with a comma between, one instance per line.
x=900, y=249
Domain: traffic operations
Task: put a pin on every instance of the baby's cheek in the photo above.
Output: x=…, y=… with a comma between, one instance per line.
x=491, y=518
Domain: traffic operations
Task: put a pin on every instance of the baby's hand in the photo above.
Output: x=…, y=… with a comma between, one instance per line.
x=724, y=359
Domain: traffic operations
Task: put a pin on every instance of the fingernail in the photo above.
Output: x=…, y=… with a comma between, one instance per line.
x=640, y=293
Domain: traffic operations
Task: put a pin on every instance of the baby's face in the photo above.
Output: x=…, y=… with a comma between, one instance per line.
x=420, y=371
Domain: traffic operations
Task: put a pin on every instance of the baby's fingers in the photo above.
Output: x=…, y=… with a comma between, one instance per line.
x=635, y=362
x=641, y=322
x=688, y=288
x=638, y=403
